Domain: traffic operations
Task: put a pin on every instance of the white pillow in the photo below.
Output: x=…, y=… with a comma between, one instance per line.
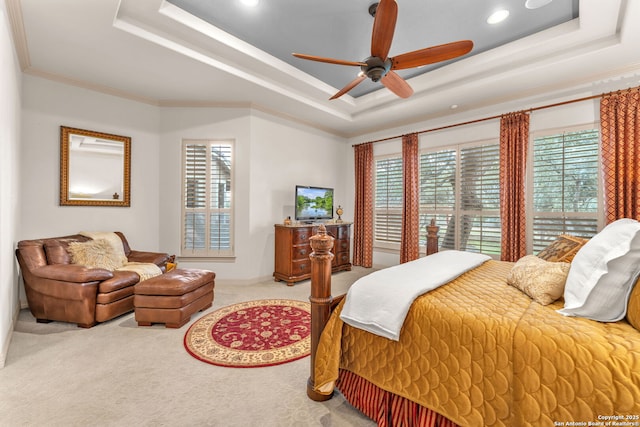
x=603, y=272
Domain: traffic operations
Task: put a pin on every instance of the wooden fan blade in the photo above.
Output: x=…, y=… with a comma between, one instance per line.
x=431, y=55
x=397, y=85
x=384, y=24
x=355, y=82
x=329, y=60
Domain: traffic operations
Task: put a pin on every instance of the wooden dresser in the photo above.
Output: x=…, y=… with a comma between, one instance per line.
x=292, y=263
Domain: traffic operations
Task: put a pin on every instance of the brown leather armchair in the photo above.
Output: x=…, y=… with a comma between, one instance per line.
x=58, y=290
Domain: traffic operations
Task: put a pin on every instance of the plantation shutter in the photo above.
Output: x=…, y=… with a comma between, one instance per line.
x=438, y=193
x=207, y=221
x=388, y=200
x=195, y=182
x=565, y=186
x=220, y=214
x=479, y=213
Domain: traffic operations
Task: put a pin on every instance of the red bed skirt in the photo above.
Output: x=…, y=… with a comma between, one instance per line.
x=386, y=408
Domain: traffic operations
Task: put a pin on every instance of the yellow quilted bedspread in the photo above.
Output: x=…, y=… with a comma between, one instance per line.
x=480, y=352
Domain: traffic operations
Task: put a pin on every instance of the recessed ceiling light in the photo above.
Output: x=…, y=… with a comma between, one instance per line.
x=453, y=106
x=498, y=16
x=534, y=4
x=250, y=3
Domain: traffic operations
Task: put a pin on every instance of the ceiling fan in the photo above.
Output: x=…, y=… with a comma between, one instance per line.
x=379, y=66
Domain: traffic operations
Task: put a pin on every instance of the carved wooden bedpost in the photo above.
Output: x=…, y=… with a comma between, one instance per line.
x=432, y=237
x=320, y=298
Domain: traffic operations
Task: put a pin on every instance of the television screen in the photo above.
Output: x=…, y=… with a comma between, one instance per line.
x=313, y=203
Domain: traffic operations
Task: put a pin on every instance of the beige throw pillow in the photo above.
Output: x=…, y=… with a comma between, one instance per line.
x=539, y=279
x=95, y=254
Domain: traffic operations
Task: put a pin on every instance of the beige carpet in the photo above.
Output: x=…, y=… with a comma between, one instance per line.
x=119, y=374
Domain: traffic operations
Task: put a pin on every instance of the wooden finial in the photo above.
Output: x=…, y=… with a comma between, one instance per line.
x=432, y=237
x=320, y=298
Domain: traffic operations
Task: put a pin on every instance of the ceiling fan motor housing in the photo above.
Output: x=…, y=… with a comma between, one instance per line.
x=376, y=68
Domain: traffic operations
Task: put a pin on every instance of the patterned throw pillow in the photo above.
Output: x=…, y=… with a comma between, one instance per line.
x=95, y=254
x=564, y=248
x=539, y=279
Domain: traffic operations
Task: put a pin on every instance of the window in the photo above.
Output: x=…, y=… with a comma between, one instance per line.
x=468, y=214
x=207, y=198
x=565, y=186
x=479, y=212
x=460, y=188
x=388, y=202
x=438, y=193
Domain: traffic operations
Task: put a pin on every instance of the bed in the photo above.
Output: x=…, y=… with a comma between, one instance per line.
x=484, y=350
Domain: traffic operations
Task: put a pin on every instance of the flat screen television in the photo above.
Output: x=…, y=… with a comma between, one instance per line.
x=313, y=203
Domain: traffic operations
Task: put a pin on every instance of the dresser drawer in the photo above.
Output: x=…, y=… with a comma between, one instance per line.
x=340, y=245
x=342, y=233
x=301, y=235
x=341, y=258
x=301, y=266
x=301, y=252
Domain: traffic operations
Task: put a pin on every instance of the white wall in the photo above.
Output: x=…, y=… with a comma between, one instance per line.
x=10, y=196
x=291, y=156
x=271, y=157
x=46, y=106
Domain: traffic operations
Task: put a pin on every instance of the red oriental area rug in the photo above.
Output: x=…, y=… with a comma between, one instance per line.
x=252, y=334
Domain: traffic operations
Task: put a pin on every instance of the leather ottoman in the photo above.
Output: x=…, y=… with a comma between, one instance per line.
x=173, y=297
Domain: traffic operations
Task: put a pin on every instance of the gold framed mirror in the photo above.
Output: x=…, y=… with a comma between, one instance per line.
x=95, y=168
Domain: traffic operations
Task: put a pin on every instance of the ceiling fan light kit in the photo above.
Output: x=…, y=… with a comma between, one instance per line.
x=379, y=66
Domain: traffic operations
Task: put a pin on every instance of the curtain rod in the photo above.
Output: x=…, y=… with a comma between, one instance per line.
x=484, y=119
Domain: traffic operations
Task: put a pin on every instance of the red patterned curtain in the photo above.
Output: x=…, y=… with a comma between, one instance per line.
x=363, y=214
x=410, y=243
x=514, y=138
x=620, y=124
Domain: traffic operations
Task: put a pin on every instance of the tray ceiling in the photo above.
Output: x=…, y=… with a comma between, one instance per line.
x=198, y=53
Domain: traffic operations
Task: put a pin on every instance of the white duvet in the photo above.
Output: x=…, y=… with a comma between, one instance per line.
x=380, y=301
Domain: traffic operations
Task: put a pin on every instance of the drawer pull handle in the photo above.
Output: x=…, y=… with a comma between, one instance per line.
x=303, y=252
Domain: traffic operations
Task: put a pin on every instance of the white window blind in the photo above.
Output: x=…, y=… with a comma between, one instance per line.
x=479, y=212
x=207, y=209
x=438, y=193
x=565, y=186
x=388, y=201
x=467, y=213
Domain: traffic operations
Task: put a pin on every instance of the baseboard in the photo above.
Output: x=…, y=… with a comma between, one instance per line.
x=242, y=282
x=7, y=341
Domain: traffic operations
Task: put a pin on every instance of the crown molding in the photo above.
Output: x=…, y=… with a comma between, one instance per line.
x=14, y=11
x=90, y=86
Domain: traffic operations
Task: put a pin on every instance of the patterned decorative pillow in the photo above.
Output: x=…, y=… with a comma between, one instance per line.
x=95, y=254
x=633, y=307
x=564, y=248
x=539, y=279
